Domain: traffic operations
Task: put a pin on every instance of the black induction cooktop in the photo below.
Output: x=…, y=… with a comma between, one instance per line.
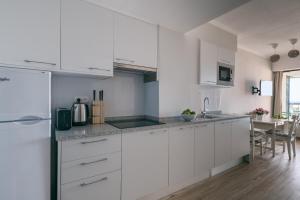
x=133, y=123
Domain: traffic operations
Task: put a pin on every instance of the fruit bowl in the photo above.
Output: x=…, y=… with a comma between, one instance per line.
x=188, y=117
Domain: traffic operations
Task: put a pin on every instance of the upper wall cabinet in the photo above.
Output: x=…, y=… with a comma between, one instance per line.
x=86, y=38
x=210, y=56
x=208, y=63
x=29, y=34
x=226, y=56
x=135, y=42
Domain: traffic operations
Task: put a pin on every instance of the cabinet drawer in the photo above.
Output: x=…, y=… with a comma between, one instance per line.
x=88, y=167
x=84, y=148
x=106, y=187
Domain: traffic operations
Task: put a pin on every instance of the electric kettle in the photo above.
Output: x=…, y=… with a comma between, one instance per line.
x=80, y=113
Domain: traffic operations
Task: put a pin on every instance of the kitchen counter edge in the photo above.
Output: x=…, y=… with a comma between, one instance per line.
x=89, y=131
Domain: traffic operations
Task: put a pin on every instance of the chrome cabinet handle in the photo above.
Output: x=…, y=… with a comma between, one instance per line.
x=93, y=182
x=93, y=162
x=99, y=69
x=153, y=132
x=95, y=141
x=40, y=62
x=4, y=79
x=120, y=59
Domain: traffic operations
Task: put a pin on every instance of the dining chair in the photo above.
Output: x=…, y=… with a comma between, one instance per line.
x=257, y=136
x=287, y=136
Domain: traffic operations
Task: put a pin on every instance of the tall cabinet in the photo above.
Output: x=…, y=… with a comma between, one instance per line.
x=86, y=38
x=30, y=34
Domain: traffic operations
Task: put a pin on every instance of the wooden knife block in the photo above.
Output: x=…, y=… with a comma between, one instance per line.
x=98, y=112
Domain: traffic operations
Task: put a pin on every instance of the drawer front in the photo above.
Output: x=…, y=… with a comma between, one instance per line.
x=84, y=148
x=106, y=187
x=88, y=167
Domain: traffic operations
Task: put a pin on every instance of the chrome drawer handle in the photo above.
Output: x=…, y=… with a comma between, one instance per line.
x=132, y=61
x=99, y=69
x=93, y=182
x=92, y=162
x=4, y=79
x=95, y=141
x=40, y=62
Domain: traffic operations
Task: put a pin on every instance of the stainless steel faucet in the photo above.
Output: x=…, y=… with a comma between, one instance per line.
x=206, y=99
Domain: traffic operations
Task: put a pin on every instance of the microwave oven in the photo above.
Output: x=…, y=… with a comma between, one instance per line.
x=225, y=74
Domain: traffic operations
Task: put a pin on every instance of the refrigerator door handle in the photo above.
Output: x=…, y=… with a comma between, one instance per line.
x=29, y=120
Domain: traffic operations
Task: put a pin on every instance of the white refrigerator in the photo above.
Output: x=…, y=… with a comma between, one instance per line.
x=25, y=129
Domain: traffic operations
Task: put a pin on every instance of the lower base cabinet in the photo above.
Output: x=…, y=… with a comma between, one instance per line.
x=181, y=158
x=144, y=163
x=240, y=138
x=204, y=150
x=106, y=187
x=222, y=142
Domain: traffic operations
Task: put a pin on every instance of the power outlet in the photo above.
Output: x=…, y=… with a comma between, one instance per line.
x=83, y=99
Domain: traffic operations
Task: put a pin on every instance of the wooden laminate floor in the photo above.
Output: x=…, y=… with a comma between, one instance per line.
x=266, y=178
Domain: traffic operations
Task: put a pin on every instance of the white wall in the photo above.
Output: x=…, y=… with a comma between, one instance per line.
x=152, y=99
x=177, y=71
x=214, y=34
x=250, y=69
x=286, y=63
x=123, y=94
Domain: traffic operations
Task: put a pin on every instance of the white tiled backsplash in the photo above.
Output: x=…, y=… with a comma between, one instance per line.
x=200, y=92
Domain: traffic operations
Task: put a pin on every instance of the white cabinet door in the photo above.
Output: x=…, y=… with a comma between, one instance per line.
x=86, y=38
x=30, y=34
x=135, y=42
x=204, y=150
x=144, y=163
x=105, y=186
x=240, y=138
x=222, y=142
x=208, y=63
x=226, y=56
x=181, y=144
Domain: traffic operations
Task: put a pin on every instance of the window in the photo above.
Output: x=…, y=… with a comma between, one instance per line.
x=292, y=95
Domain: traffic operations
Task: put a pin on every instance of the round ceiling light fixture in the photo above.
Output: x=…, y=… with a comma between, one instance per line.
x=294, y=52
x=275, y=57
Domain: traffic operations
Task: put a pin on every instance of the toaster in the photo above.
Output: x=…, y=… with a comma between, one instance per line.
x=63, y=119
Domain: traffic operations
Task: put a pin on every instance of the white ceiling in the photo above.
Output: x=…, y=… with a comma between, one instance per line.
x=180, y=15
x=261, y=22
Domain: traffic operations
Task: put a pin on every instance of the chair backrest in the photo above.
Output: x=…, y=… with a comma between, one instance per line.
x=251, y=127
x=294, y=125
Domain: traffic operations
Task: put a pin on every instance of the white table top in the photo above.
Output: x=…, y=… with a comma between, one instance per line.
x=270, y=121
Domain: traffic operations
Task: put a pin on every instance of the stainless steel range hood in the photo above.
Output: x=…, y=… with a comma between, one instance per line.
x=150, y=73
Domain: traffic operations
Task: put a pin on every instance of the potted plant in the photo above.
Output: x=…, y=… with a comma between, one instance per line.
x=259, y=112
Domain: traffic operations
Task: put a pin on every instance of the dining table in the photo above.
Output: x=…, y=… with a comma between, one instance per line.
x=270, y=125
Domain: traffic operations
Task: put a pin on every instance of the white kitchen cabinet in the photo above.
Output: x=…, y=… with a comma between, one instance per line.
x=240, y=138
x=181, y=158
x=226, y=56
x=86, y=38
x=222, y=142
x=135, y=42
x=30, y=34
x=208, y=63
x=204, y=150
x=89, y=168
x=144, y=163
x=106, y=187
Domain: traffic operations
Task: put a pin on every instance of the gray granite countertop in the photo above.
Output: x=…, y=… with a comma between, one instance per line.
x=79, y=132
x=106, y=129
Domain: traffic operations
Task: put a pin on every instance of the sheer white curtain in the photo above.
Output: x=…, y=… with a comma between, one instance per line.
x=277, y=98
